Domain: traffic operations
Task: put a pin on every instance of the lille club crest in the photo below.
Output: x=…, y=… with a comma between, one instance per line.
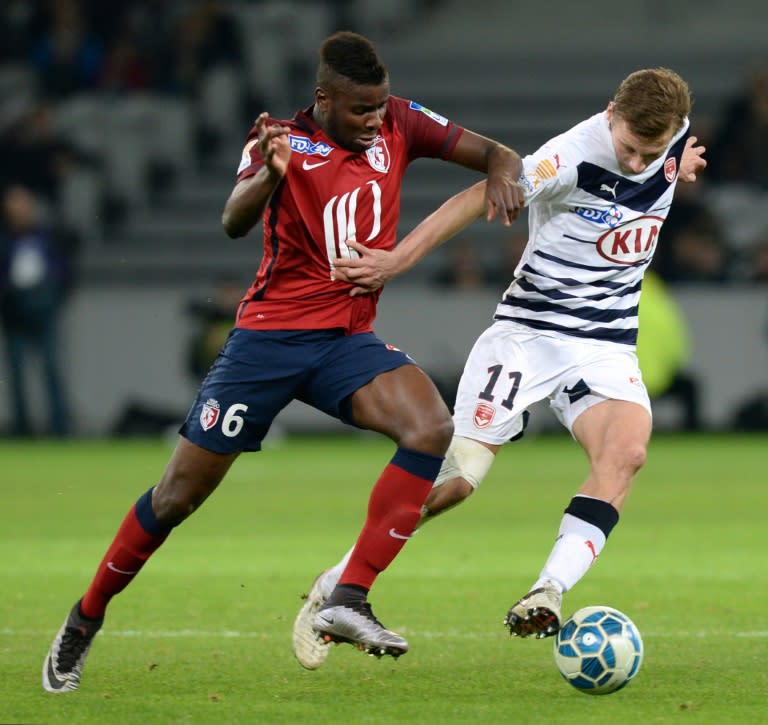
x=483, y=416
x=670, y=169
x=209, y=415
x=378, y=156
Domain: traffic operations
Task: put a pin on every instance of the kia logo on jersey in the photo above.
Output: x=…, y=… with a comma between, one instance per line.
x=483, y=416
x=631, y=242
x=670, y=169
x=378, y=156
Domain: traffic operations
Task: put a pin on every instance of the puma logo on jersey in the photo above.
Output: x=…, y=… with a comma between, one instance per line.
x=612, y=189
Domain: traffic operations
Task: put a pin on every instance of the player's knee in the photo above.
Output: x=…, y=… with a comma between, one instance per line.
x=634, y=457
x=433, y=434
x=626, y=460
x=444, y=433
x=468, y=459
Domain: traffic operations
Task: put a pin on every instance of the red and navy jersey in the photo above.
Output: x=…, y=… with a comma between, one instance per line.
x=328, y=196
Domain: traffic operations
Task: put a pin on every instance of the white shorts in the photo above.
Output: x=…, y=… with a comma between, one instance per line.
x=511, y=367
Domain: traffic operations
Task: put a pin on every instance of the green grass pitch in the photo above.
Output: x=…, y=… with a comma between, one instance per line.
x=203, y=635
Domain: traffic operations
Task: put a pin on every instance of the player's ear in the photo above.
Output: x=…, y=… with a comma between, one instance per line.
x=609, y=111
x=322, y=97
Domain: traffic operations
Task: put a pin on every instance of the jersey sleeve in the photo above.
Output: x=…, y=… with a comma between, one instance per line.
x=251, y=160
x=549, y=173
x=426, y=133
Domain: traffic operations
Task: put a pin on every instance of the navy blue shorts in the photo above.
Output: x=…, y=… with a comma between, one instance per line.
x=257, y=373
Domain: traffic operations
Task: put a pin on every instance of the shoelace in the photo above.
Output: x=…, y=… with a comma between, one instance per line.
x=73, y=643
x=363, y=607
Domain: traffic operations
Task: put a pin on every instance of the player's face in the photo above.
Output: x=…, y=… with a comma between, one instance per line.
x=634, y=153
x=350, y=114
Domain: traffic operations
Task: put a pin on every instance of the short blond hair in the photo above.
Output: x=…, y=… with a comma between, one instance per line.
x=653, y=100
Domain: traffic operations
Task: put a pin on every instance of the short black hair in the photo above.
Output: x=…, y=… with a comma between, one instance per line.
x=350, y=55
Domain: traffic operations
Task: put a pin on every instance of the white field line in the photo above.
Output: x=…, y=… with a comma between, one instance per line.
x=454, y=633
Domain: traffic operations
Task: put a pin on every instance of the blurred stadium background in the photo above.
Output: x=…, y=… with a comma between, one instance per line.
x=127, y=120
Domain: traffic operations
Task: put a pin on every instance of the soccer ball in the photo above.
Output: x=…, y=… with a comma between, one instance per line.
x=598, y=650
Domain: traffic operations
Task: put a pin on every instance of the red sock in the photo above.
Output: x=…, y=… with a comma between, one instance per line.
x=394, y=510
x=131, y=548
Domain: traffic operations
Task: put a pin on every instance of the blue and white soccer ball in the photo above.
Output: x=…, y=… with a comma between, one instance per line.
x=598, y=650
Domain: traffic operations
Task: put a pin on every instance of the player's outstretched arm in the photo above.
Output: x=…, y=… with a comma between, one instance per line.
x=375, y=267
x=504, y=198
x=249, y=198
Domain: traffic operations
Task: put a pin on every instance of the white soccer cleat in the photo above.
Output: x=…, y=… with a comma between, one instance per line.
x=309, y=648
x=537, y=613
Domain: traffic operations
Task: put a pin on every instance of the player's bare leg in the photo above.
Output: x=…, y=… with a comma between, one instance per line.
x=444, y=497
x=614, y=434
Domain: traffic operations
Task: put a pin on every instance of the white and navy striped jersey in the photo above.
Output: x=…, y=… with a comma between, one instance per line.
x=592, y=234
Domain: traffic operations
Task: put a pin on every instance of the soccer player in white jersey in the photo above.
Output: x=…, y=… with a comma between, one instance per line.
x=565, y=329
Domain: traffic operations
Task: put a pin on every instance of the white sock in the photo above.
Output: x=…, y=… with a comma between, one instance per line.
x=332, y=576
x=576, y=548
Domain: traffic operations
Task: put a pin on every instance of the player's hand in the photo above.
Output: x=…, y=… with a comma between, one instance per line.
x=692, y=161
x=504, y=198
x=368, y=272
x=273, y=145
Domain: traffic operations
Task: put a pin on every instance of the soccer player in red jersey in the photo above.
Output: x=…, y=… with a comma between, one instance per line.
x=330, y=176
